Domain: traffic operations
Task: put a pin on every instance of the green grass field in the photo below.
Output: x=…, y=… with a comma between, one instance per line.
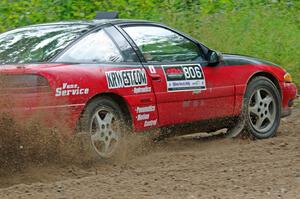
x=269, y=29
x=269, y=34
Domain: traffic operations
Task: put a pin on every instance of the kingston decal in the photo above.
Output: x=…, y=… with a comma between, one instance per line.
x=184, y=77
x=126, y=78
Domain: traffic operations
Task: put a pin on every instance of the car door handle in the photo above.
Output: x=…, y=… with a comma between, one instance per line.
x=155, y=77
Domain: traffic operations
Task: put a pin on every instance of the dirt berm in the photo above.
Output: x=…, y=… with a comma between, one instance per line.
x=187, y=167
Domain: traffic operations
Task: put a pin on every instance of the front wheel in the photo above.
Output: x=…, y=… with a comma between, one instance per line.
x=261, y=110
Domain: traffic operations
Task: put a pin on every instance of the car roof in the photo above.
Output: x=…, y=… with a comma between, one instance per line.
x=95, y=22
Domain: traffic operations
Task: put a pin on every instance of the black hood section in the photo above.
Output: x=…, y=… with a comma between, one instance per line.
x=234, y=59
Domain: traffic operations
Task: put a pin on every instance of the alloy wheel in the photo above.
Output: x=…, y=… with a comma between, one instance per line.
x=262, y=110
x=105, y=132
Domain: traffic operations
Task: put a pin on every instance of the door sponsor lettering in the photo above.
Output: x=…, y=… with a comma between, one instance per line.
x=145, y=109
x=184, y=77
x=150, y=123
x=126, y=78
x=143, y=117
x=142, y=90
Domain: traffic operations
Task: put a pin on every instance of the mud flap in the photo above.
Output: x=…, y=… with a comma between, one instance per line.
x=236, y=130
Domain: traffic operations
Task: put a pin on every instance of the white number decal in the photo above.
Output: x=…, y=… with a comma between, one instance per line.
x=192, y=72
x=186, y=72
x=198, y=72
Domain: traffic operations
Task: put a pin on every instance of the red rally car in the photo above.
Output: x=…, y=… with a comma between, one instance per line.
x=111, y=75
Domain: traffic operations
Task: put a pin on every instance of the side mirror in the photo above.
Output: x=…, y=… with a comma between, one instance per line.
x=214, y=58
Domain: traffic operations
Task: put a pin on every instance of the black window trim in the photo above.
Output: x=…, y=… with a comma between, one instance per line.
x=112, y=36
x=139, y=53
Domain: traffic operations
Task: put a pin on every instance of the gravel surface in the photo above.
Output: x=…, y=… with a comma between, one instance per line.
x=182, y=167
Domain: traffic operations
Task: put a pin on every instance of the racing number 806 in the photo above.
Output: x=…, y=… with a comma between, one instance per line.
x=192, y=72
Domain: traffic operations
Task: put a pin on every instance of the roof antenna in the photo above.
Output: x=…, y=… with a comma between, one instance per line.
x=106, y=15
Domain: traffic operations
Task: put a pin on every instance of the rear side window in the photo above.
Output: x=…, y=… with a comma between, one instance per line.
x=159, y=44
x=38, y=43
x=97, y=47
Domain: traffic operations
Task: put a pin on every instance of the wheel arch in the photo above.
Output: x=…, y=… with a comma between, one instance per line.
x=268, y=75
x=116, y=98
x=271, y=131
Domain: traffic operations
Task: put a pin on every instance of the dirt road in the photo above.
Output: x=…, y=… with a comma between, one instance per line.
x=177, y=168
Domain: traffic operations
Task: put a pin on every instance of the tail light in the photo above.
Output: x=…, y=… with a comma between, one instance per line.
x=27, y=83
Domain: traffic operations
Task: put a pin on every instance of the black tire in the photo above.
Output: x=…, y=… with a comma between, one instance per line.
x=102, y=132
x=258, y=111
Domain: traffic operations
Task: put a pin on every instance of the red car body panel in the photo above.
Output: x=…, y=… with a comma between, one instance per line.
x=180, y=106
x=223, y=96
x=151, y=98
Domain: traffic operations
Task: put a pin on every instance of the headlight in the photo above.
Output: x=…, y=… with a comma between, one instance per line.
x=24, y=83
x=288, y=78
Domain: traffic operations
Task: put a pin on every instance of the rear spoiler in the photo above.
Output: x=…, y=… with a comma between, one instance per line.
x=107, y=15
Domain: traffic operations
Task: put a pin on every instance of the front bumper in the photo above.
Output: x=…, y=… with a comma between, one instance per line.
x=289, y=94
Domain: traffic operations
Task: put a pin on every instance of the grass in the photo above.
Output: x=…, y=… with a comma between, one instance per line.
x=271, y=34
x=264, y=29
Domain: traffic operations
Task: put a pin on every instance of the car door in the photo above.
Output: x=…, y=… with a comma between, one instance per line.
x=109, y=66
x=186, y=88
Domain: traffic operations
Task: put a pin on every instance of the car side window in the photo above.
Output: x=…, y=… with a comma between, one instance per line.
x=159, y=44
x=96, y=47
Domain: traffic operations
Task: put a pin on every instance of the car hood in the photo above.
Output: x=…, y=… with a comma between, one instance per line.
x=235, y=59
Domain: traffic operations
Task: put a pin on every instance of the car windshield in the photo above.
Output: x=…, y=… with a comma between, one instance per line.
x=37, y=43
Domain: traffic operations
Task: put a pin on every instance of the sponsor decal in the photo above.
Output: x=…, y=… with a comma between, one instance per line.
x=184, y=77
x=150, y=123
x=70, y=89
x=143, y=117
x=145, y=109
x=152, y=69
x=126, y=78
x=142, y=90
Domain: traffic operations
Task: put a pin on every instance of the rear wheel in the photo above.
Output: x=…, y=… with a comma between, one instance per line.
x=261, y=112
x=105, y=124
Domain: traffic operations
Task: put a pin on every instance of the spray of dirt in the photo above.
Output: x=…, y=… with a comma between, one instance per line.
x=134, y=145
x=26, y=143
x=34, y=143
x=43, y=138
